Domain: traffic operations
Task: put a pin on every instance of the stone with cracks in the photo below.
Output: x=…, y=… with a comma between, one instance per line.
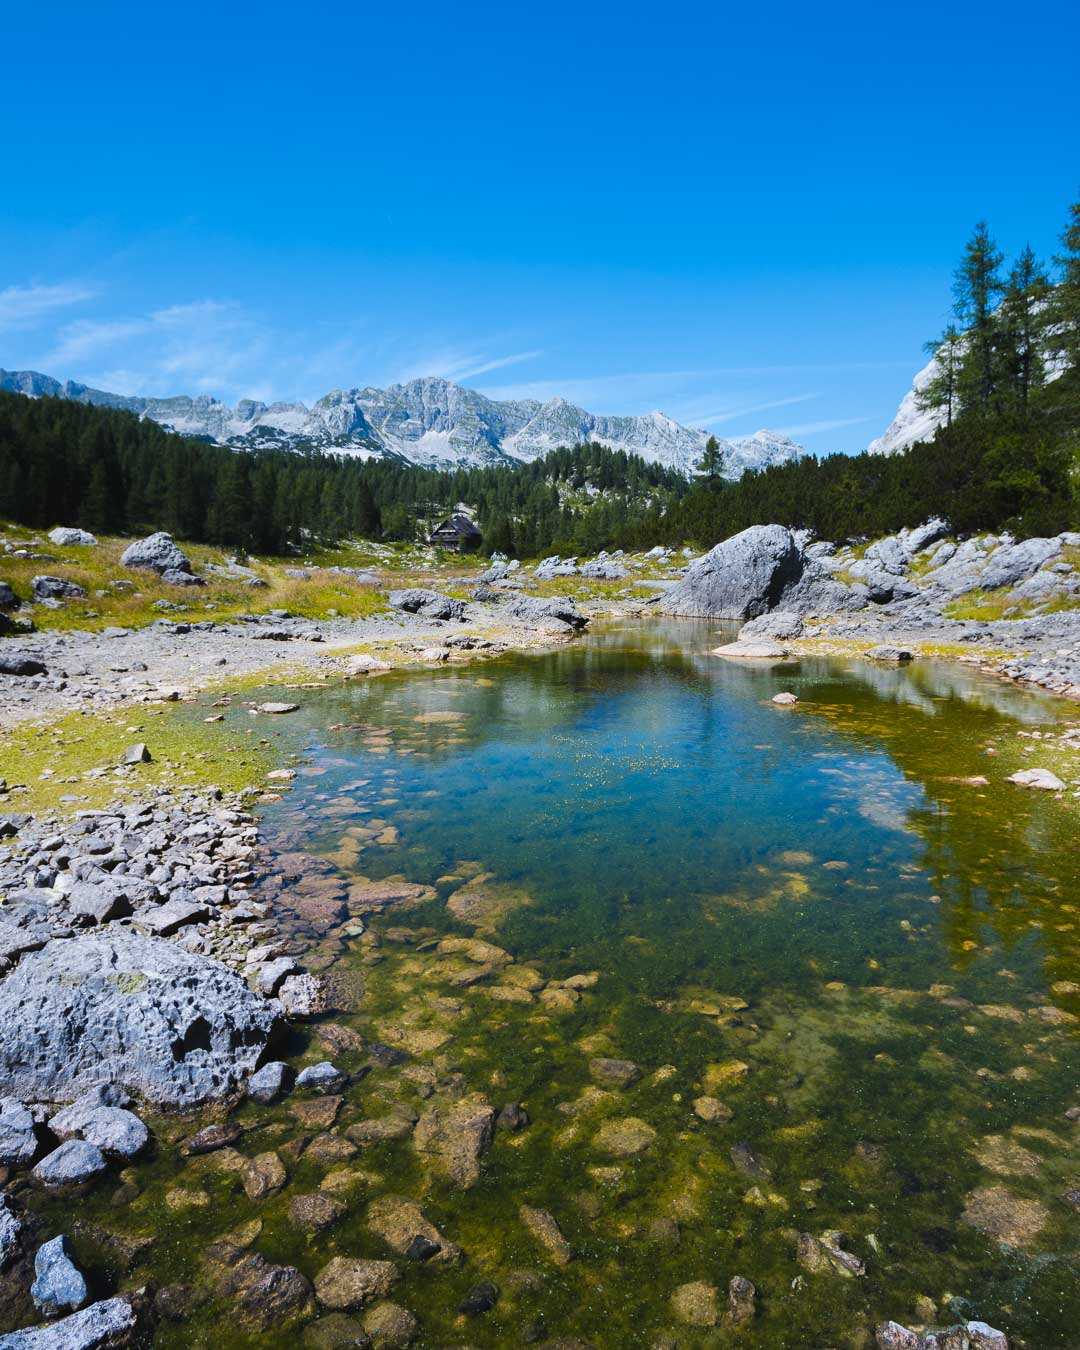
x=175, y=1028
x=761, y=569
x=885, y=652
x=11, y=1229
x=268, y=1082
x=18, y=663
x=428, y=604
x=779, y=626
x=156, y=553
x=553, y=613
x=751, y=651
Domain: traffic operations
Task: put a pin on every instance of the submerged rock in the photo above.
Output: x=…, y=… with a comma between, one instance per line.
x=827, y=1255
x=453, y=1136
x=545, y=1228
x=696, y=1304
x=390, y=1326
x=407, y=1230
x=1037, y=778
x=176, y=1028
x=1005, y=1217
x=623, y=1138
x=266, y=1294
x=346, y=1283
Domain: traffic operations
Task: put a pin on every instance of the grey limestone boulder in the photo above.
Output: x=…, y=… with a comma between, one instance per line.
x=553, y=613
x=56, y=588
x=780, y=625
x=761, y=569
x=1012, y=563
x=429, y=604
x=109, y=1323
x=65, y=537
x=174, y=1027
x=156, y=553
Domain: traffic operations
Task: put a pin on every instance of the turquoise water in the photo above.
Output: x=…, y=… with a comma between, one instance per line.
x=653, y=817
x=847, y=978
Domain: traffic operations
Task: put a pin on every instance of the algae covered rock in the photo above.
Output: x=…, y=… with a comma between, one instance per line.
x=624, y=1137
x=454, y=1135
x=346, y=1283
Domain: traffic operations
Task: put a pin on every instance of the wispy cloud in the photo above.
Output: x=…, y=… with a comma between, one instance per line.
x=24, y=305
x=455, y=364
x=812, y=428
x=205, y=347
x=711, y=419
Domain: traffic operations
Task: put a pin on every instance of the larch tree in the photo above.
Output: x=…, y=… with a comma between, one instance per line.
x=977, y=288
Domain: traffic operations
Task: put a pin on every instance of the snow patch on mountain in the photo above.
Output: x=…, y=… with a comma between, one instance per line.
x=428, y=421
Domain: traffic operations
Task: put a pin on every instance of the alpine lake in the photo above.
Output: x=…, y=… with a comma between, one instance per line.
x=750, y=972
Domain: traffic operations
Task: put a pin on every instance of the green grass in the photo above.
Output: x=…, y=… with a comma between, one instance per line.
x=39, y=761
x=131, y=603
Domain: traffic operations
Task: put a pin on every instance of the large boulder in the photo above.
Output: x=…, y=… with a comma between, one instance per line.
x=1011, y=563
x=761, y=569
x=157, y=553
x=8, y=598
x=65, y=537
x=553, y=613
x=56, y=588
x=175, y=1028
x=429, y=604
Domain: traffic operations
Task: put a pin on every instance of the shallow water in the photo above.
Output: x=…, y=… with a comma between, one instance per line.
x=800, y=912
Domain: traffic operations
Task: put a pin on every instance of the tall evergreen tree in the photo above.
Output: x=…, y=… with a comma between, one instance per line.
x=1021, y=323
x=942, y=389
x=711, y=463
x=977, y=287
x=1064, y=316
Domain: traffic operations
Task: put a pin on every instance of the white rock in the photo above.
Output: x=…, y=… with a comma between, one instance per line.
x=1037, y=778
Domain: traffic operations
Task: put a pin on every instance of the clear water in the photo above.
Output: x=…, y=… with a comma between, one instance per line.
x=808, y=892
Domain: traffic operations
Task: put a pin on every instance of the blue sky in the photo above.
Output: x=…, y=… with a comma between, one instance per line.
x=746, y=216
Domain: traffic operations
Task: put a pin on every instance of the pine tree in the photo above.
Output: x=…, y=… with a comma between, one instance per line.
x=711, y=463
x=1064, y=315
x=1020, y=329
x=977, y=286
x=940, y=392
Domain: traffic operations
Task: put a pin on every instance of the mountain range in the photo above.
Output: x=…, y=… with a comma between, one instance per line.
x=427, y=421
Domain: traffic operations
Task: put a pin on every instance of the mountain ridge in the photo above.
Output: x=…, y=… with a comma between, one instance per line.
x=427, y=421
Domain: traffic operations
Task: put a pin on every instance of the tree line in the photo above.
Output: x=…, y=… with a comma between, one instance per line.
x=108, y=471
